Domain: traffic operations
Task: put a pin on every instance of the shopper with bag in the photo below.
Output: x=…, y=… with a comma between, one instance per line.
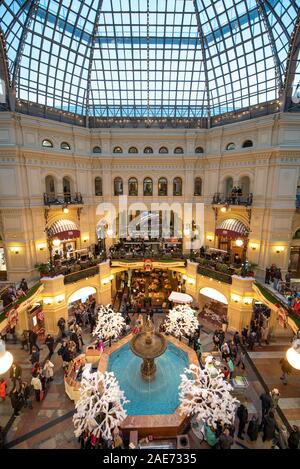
x=38, y=389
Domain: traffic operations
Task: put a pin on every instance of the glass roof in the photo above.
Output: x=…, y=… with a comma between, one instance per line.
x=148, y=58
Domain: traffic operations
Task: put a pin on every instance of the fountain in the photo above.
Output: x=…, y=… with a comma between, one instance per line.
x=148, y=345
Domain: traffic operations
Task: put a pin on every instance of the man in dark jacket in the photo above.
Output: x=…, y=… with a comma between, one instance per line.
x=15, y=374
x=266, y=402
x=294, y=438
x=32, y=338
x=253, y=428
x=242, y=414
x=50, y=344
x=269, y=427
x=16, y=402
x=35, y=356
x=286, y=370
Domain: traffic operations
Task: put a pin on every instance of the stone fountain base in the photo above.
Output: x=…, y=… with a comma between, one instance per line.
x=148, y=369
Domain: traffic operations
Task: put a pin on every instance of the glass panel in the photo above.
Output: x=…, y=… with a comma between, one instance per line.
x=162, y=186
x=148, y=186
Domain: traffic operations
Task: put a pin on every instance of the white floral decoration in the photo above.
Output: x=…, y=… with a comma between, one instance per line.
x=99, y=409
x=110, y=324
x=206, y=396
x=181, y=321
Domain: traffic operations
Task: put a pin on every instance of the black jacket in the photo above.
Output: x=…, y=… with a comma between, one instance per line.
x=293, y=440
x=253, y=429
x=269, y=427
x=266, y=401
x=49, y=342
x=242, y=413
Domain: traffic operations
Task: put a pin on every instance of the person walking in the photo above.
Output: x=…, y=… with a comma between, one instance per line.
x=245, y=333
x=62, y=327
x=266, y=402
x=37, y=386
x=35, y=356
x=242, y=414
x=268, y=276
x=269, y=427
x=275, y=396
x=50, y=344
x=286, y=369
x=32, y=338
x=25, y=394
x=236, y=339
x=15, y=401
x=241, y=360
x=48, y=371
x=15, y=374
x=253, y=428
x=24, y=341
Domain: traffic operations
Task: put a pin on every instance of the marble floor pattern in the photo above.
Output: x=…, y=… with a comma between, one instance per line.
x=46, y=427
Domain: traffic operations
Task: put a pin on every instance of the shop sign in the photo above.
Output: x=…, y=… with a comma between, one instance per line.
x=148, y=265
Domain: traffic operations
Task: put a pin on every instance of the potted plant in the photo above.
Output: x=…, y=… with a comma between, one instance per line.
x=43, y=269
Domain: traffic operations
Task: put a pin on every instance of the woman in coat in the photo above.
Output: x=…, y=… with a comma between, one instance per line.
x=48, y=371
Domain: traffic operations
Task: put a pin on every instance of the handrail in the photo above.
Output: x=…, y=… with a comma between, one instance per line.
x=20, y=300
x=81, y=274
x=61, y=198
x=231, y=199
x=215, y=274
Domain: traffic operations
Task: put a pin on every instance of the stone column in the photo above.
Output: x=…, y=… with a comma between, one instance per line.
x=55, y=305
x=240, y=303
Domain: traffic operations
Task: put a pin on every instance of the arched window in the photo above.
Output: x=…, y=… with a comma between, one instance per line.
x=230, y=146
x=148, y=150
x=162, y=186
x=133, y=150
x=247, y=144
x=133, y=186
x=199, y=150
x=65, y=146
x=98, y=186
x=163, y=150
x=178, y=150
x=97, y=150
x=148, y=186
x=198, y=186
x=67, y=189
x=50, y=185
x=118, y=186
x=228, y=185
x=177, y=186
x=245, y=185
x=117, y=150
x=47, y=143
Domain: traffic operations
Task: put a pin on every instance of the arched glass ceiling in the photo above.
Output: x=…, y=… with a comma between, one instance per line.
x=148, y=58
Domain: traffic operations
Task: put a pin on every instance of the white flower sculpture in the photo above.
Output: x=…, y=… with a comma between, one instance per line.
x=99, y=409
x=109, y=324
x=181, y=321
x=206, y=396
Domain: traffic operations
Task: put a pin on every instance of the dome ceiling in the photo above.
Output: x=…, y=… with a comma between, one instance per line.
x=137, y=59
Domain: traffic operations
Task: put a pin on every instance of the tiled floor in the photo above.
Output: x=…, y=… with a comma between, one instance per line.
x=59, y=433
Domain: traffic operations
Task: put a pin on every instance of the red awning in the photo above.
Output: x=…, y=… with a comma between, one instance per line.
x=63, y=229
x=232, y=228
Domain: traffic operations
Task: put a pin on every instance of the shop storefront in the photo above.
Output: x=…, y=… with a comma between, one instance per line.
x=233, y=237
x=63, y=238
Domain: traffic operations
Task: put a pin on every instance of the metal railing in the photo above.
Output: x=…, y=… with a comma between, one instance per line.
x=62, y=198
x=216, y=275
x=19, y=300
x=81, y=274
x=232, y=199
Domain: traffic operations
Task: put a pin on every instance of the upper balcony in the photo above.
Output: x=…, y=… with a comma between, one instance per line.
x=62, y=198
x=232, y=199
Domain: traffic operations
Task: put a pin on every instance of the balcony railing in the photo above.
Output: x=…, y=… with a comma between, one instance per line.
x=65, y=198
x=19, y=300
x=81, y=274
x=232, y=199
x=211, y=273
